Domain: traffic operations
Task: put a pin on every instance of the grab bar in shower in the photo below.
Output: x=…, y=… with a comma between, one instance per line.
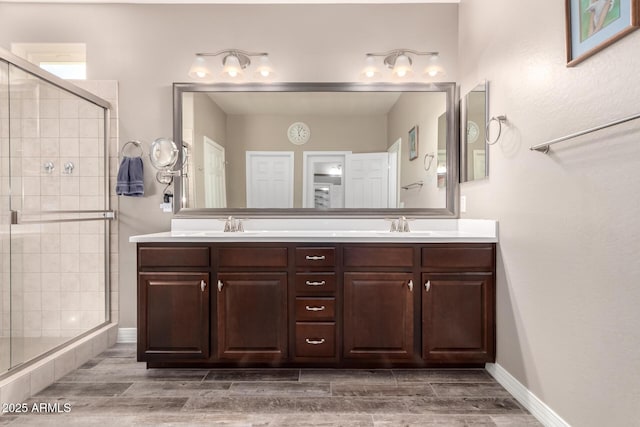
x=17, y=217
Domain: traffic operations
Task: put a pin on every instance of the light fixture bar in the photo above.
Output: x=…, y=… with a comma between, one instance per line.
x=400, y=62
x=234, y=61
x=232, y=51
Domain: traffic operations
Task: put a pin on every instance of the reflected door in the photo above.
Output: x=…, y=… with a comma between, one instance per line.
x=323, y=179
x=367, y=180
x=214, y=176
x=269, y=179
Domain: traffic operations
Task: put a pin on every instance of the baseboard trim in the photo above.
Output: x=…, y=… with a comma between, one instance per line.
x=127, y=335
x=530, y=401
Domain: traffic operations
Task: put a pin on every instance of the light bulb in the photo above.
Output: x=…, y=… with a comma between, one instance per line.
x=232, y=66
x=199, y=69
x=402, y=66
x=434, y=69
x=264, y=70
x=370, y=70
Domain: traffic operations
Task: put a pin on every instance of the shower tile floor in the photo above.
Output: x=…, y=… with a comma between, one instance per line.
x=115, y=390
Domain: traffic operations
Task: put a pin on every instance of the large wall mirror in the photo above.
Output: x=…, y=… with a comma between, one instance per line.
x=317, y=149
x=474, y=151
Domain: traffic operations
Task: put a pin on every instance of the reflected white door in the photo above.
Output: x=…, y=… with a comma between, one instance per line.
x=269, y=179
x=214, y=175
x=367, y=180
x=394, y=173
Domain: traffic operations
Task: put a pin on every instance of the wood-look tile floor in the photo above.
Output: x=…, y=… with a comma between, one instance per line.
x=114, y=389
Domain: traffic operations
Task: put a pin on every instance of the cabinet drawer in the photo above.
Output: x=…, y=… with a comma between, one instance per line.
x=362, y=256
x=314, y=309
x=458, y=257
x=174, y=256
x=315, y=339
x=252, y=257
x=315, y=283
x=315, y=257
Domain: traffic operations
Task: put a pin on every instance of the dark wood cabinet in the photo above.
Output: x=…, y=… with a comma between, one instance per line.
x=173, y=315
x=252, y=316
x=316, y=304
x=458, y=303
x=378, y=315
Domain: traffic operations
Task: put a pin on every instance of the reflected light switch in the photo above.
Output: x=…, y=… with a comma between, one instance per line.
x=463, y=204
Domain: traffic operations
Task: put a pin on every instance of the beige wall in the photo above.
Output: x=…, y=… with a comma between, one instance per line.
x=360, y=134
x=147, y=47
x=209, y=121
x=423, y=110
x=568, y=281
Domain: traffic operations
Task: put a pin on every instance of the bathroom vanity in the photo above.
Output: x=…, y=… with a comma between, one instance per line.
x=323, y=298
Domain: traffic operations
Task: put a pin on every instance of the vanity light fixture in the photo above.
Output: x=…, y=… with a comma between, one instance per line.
x=400, y=61
x=234, y=62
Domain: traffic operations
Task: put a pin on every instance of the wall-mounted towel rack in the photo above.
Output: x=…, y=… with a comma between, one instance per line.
x=136, y=144
x=544, y=147
x=417, y=184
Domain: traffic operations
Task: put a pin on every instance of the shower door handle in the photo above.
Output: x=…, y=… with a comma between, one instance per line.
x=18, y=217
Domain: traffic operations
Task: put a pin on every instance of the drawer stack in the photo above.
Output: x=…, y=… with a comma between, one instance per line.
x=315, y=303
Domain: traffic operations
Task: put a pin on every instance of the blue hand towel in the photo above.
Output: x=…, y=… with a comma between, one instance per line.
x=130, y=181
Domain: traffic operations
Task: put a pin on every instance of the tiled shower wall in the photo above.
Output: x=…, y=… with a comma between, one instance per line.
x=57, y=269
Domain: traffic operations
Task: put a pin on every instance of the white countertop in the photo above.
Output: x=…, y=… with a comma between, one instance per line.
x=326, y=230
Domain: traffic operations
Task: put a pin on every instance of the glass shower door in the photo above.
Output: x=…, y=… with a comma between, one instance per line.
x=58, y=223
x=5, y=241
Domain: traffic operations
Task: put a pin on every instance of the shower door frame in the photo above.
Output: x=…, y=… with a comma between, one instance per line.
x=101, y=215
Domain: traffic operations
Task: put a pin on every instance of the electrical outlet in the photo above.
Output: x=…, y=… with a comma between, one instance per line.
x=463, y=204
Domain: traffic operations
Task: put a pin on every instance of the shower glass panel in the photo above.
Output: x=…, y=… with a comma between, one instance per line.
x=5, y=242
x=55, y=211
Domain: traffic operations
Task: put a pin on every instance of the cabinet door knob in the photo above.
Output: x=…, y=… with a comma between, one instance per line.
x=321, y=283
x=320, y=308
x=203, y=285
x=411, y=285
x=315, y=257
x=220, y=285
x=315, y=341
x=427, y=285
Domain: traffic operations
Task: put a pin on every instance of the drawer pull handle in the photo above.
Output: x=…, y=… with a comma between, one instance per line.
x=411, y=285
x=220, y=285
x=203, y=285
x=427, y=285
x=315, y=341
x=315, y=257
x=321, y=283
x=320, y=308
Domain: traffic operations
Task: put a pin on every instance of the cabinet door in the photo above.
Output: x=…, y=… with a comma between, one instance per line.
x=252, y=316
x=458, y=317
x=378, y=315
x=173, y=316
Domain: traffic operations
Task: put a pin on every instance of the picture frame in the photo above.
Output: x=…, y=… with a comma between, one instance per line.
x=413, y=143
x=592, y=25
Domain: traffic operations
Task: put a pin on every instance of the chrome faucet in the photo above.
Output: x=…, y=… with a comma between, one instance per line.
x=233, y=225
x=401, y=225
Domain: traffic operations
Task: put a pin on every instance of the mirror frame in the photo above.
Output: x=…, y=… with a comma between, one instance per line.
x=464, y=109
x=452, y=111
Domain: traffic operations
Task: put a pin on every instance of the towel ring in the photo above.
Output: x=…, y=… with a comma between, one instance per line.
x=137, y=144
x=500, y=120
x=424, y=161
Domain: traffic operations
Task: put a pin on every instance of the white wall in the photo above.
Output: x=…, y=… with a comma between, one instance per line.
x=569, y=275
x=147, y=47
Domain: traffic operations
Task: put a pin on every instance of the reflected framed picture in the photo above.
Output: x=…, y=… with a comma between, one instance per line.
x=592, y=25
x=413, y=143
